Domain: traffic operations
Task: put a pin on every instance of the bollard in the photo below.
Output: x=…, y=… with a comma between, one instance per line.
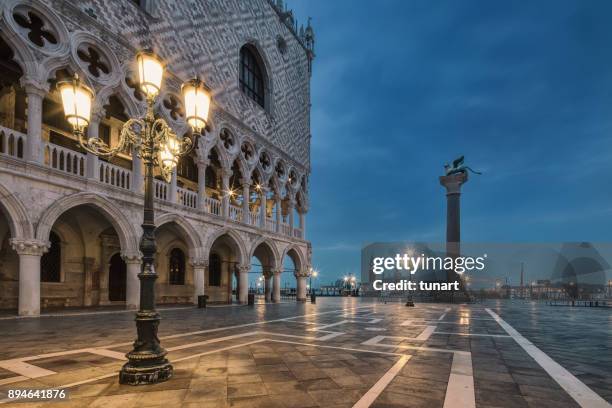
x=313, y=298
x=251, y=299
x=202, y=301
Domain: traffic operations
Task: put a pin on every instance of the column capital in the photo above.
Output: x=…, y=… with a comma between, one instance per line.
x=243, y=268
x=132, y=258
x=453, y=182
x=33, y=86
x=198, y=262
x=200, y=162
x=304, y=273
x=32, y=247
x=276, y=271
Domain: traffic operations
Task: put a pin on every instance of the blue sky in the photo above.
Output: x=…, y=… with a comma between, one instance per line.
x=523, y=89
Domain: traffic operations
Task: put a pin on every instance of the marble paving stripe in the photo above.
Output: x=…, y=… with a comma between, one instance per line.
x=582, y=394
x=425, y=334
x=11, y=380
x=373, y=393
x=107, y=353
x=25, y=369
x=100, y=312
x=375, y=341
x=460, y=389
x=443, y=315
x=473, y=334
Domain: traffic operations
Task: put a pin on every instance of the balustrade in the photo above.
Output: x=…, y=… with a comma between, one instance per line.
x=161, y=190
x=115, y=175
x=12, y=143
x=213, y=206
x=187, y=198
x=64, y=159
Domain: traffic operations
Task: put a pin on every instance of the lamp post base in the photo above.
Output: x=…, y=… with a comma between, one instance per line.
x=143, y=375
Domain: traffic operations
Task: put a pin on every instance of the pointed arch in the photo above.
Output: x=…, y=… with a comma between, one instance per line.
x=293, y=252
x=234, y=236
x=192, y=237
x=125, y=230
x=16, y=214
x=269, y=244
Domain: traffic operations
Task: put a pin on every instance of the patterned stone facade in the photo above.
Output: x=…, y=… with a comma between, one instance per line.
x=48, y=186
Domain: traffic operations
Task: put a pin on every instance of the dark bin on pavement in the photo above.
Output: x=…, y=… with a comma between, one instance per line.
x=251, y=299
x=202, y=301
x=313, y=298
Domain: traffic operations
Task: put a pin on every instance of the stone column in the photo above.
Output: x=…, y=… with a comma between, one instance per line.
x=303, y=223
x=35, y=93
x=202, y=184
x=276, y=296
x=29, y=251
x=225, y=199
x=199, y=273
x=301, y=286
x=88, y=283
x=268, y=285
x=173, y=195
x=453, y=185
x=291, y=208
x=137, y=174
x=92, y=164
x=262, y=207
x=279, y=209
x=132, y=285
x=246, y=213
x=243, y=283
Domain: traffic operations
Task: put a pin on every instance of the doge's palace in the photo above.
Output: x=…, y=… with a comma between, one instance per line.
x=70, y=222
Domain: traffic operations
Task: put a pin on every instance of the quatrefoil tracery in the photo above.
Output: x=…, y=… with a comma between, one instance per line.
x=37, y=32
x=94, y=61
x=174, y=107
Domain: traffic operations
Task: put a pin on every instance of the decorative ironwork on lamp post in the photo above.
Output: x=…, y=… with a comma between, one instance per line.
x=157, y=145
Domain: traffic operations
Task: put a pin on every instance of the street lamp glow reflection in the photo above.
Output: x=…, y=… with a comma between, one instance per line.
x=76, y=99
x=150, y=73
x=197, y=103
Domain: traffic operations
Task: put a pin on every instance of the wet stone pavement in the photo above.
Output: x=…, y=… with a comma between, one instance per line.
x=339, y=352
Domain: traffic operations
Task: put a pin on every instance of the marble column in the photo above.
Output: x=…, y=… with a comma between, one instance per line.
x=246, y=213
x=173, y=195
x=30, y=252
x=279, y=209
x=301, y=287
x=34, y=144
x=262, y=207
x=267, y=275
x=276, y=296
x=132, y=285
x=92, y=162
x=243, y=283
x=202, y=184
x=291, y=210
x=225, y=198
x=199, y=273
x=302, y=215
x=453, y=184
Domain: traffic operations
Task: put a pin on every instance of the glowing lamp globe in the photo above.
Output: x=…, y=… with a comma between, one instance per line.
x=197, y=98
x=76, y=99
x=150, y=72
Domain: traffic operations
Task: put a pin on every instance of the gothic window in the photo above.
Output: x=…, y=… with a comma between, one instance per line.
x=51, y=261
x=251, y=75
x=264, y=159
x=187, y=168
x=227, y=139
x=214, y=270
x=177, y=267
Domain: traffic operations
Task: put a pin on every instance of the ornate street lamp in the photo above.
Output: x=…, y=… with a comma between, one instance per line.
x=157, y=145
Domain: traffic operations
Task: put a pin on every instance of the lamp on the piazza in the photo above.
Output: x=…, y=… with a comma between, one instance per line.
x=197, y=103
x=150, y=72
x=76, y=98
x=157, y=145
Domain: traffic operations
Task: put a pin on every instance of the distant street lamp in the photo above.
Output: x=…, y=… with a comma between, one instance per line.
x=314, y=273
x=157, y=145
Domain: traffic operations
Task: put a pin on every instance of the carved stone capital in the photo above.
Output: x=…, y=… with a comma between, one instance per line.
x=132, y=258
x=199, y=263
x=34, y=87
x=31, y=247
x=304, y=273
x=276, y=271
x=454, y=182
x=243, y=268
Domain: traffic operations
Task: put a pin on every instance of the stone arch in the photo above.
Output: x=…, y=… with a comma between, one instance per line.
x=242, y=251
x=16, y=214
x=192, y=236
x=271, y=247
x=125, y=230
x=119, y=91
x=79, y=38
x=22, y=56
x=293, y=252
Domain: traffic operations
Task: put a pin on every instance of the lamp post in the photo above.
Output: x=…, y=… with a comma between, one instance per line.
x=157, y=145
x=315, y=274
